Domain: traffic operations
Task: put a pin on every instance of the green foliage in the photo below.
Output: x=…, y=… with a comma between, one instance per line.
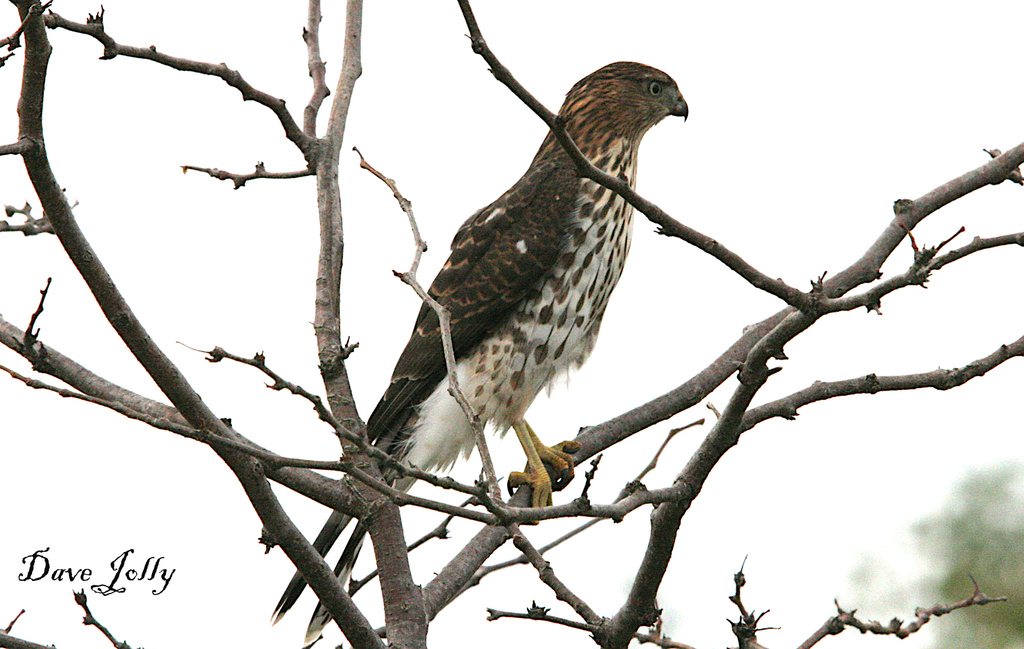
x=980, y=534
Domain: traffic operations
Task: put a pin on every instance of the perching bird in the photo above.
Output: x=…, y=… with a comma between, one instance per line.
x=527, y=284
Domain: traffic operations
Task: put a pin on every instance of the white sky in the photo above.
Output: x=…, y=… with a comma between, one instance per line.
x=807, y=121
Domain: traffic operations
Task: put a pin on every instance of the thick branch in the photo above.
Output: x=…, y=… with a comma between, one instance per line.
x=404, y=611
x=166, y=375
x=11, y=642
x=598, y=438
x=317, y=69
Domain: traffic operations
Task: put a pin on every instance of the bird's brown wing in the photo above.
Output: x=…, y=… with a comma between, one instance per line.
x=498, y=256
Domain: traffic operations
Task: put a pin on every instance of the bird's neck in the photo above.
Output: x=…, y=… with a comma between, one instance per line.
x=612, y=154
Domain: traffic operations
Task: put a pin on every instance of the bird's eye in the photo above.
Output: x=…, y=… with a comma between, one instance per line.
x=654, y=88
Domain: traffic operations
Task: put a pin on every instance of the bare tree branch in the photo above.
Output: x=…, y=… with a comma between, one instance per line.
x=1015, y=175
x=90, y=620
x=445, y=327
x=47, y=360
x=595, y=439
x=439, y=532
x=317, y=69
x=31, y=225
x=10, y=625
x=656, y=638
x=547, y=575
x=896, y=627
x=111, y=49
x=910, y=213
x=939, y=379
x=918, y=274
x=540, y=613
x=745, y=629
x=11, y=642
x=32, y=332
x=155, y=422
x=15, y=148
x=240, y=179
x=750, y=353
x=535, y=612
x=404, y=611
x=13, y=41
x=406, y=607
x=666, y=224
x=259, y=361
x=384, y=459
x=169, y=379
x=98, y=391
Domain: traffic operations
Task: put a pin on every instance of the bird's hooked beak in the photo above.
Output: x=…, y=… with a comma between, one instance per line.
x=680, y=109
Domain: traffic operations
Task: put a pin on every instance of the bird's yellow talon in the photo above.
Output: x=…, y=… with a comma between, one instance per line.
x=539, y=483
x=548, y=468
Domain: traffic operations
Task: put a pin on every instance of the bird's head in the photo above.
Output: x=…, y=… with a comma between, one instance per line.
x=621, y=99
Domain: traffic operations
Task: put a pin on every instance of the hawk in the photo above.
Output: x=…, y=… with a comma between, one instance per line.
x=527, y=283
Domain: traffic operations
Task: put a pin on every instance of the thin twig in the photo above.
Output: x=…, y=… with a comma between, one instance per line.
x=940, y=379
x=259, y=361
x=111, y=49
x=385, y=459
x=925, y=263
x=745, y=629
x=444, y=323
x=896, y=627
x=668, y=438
x=31, y=225
x=547, y=575
x=535, y=612
x=90, y=620
x=240, y=179
x=11, y=625
x=31, y=336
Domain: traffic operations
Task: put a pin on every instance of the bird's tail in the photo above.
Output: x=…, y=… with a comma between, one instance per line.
x=332, y=529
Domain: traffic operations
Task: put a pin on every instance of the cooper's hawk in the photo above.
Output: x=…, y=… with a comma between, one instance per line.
x=527, y=283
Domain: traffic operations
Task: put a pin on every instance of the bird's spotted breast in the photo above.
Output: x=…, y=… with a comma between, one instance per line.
x=555, y=330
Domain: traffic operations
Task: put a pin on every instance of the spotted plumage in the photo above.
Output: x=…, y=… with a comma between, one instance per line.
x=527, y=283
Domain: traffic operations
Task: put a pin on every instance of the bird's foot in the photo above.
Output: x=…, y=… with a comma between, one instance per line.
x=557, y=472
x=559, y=463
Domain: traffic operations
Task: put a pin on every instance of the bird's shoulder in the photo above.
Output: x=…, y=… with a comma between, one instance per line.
x=497, y=258
x=516, y=237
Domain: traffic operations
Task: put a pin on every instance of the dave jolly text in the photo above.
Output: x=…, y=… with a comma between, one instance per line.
x=123, y=570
